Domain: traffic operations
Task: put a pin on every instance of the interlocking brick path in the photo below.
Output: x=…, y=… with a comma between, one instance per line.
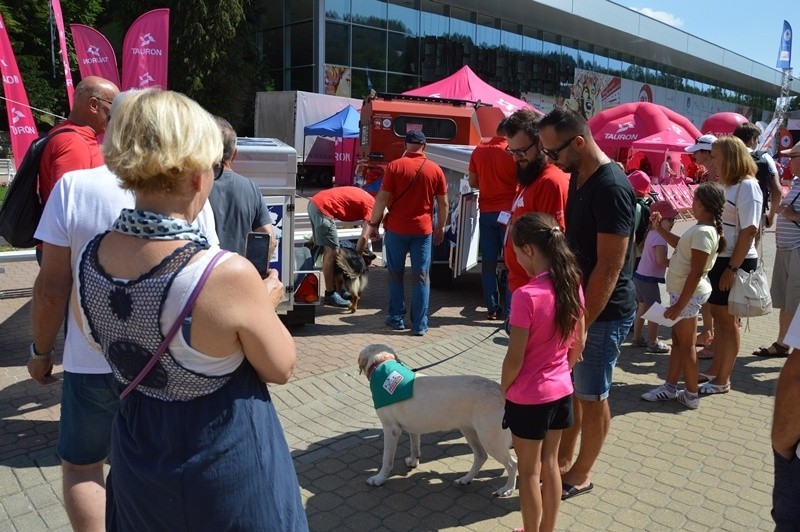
x=662, y=468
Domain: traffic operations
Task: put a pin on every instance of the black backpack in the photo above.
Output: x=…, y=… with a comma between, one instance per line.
x=22, y=208
x=642, y=219
x=764, y=177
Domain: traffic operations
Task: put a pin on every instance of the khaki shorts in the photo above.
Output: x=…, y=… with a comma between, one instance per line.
x=785, y=285
x=323, y=228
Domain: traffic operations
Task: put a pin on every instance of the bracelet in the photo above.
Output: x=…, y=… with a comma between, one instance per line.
x=37, y=356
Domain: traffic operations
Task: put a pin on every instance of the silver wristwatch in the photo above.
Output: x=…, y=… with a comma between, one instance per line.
x=37, y=356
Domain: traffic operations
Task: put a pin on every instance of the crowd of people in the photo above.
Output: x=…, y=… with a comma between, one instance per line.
x=141, y=257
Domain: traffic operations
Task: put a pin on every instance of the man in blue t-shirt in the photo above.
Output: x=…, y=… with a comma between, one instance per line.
x=599, y=227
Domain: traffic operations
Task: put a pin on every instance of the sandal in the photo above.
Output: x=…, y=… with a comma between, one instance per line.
x=705, y=353
x=774, y=350
x=702, y=378
x=709, y=388
x=704, y=339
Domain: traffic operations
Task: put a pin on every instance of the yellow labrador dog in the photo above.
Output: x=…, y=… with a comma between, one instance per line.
x=470, y=403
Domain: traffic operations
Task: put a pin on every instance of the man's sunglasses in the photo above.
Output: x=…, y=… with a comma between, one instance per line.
x=553, y=154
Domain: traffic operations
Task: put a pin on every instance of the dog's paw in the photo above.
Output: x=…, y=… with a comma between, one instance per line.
x=412, y=462
x=466, y=479
x=504, y=492
x=376, y=480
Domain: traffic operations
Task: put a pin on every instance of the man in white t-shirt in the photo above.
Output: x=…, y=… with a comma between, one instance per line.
x=82, y=204
x=786, y=437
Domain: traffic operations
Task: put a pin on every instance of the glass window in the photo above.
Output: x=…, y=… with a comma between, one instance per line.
x=363, y=78
x=369, y=13
x=301, y=42
x=488, y=33
x=300, y=79
x=461, y=23
x=300, y=10
x=399, y=83
x=433, y=18
x=272, y=48
x=369, y=48
x=403, y=53
x=337, y=43
x=531, y=41
x=270, y=14
x=403, y=17
x=336, y=9
x=511, y=36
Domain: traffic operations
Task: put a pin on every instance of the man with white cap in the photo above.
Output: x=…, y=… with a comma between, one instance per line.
x=701, y=151
x=785, y=285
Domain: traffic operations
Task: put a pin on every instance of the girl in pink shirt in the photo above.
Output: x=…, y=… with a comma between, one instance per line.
x=547, y=333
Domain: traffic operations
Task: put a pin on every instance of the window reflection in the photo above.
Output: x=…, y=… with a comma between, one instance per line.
x=300, y=10
x=337, y=43
x=301, y=40
x=403, y=53
x=433, y=19
x=369, y=13
x=403, y=17
x=369, y=48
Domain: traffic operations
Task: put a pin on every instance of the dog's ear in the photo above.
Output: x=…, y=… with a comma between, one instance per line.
x=368, y=257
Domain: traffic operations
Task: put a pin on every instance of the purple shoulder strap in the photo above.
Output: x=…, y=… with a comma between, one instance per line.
x=175, y=326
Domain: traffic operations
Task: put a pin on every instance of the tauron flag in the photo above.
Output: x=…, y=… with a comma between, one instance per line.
x=62, y=41
x=95, y=54
x=145, y=51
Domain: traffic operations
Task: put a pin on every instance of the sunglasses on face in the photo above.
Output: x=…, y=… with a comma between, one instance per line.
x=553, y=154
x=519, y=154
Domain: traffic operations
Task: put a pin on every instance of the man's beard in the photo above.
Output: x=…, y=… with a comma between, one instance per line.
x=527, y=174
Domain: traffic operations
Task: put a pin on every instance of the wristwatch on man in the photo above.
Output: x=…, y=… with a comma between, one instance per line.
x=37, y=356
x=734, y=269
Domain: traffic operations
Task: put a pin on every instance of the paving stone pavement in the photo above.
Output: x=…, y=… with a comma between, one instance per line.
x=662, y=467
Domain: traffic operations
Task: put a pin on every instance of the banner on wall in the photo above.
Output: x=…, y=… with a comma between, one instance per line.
x=145, y=51
x=338, y=80
x=592, y=92
x=21, y=126
x=62, y=41
x=95, y=54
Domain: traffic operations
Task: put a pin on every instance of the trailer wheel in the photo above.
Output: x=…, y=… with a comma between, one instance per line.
x=441, y=276
x=325, y=178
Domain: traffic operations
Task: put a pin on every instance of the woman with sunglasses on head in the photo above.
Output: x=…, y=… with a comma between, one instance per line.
x=740, y=220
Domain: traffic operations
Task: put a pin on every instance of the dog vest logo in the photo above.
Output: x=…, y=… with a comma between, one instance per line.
x=392, y=382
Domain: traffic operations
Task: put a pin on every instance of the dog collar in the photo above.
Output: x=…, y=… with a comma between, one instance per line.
x=374, y=365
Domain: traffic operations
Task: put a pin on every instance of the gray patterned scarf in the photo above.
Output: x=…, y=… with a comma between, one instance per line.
x=156, y=226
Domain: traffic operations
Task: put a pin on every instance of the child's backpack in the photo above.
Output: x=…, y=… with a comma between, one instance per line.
x=22, y=208
x=642, y=219
x=764, y=177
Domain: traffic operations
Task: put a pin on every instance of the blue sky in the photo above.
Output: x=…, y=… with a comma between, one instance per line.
x=751, y=28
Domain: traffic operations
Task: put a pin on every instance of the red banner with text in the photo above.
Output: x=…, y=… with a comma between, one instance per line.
x=145, y=51
x=21, y=125
x=95, y=54
x=62, y=42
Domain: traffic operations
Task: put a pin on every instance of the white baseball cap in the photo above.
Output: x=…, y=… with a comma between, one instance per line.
x=702, y=143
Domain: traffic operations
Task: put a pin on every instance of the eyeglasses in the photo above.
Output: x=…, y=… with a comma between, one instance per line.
x=218, y=169
x=553, y=154
x=103, y=100
x=519, y=154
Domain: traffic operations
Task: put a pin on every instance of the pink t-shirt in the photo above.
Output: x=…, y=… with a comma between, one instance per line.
x=545, y=374
x=648, y=267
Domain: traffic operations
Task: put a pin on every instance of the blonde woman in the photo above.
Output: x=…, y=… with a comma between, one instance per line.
x=197, y=445
x=740, y=220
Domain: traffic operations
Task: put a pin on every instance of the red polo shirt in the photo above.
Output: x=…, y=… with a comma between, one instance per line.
x=497, y=175
x=348, y=204
x=66, y=152
x=411, y=203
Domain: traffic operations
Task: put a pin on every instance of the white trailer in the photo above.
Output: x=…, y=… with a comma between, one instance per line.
x=285, y=114
x=272, y=166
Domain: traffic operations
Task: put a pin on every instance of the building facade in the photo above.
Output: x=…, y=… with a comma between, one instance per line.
x=545, y=51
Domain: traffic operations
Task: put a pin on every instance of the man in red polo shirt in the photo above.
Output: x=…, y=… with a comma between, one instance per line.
x=347, y=204
x=543, y=187
x=493, y=172
x=409, y=187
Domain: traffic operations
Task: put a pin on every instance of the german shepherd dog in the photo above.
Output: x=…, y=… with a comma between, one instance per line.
x=350, y=274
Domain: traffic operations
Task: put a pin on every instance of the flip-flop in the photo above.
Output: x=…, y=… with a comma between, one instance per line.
x=572, y=491
x=702, y=377
x=705, y=354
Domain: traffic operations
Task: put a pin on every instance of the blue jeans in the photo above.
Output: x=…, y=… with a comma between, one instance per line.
x=490, y=244
x=396, y=247
x=88, y=404
x=786, y=494
x=592, y=377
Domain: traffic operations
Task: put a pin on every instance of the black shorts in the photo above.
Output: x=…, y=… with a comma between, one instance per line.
x=531, y=422
x=718, y=297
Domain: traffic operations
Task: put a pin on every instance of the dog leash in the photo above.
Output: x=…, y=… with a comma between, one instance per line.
x=432, y=364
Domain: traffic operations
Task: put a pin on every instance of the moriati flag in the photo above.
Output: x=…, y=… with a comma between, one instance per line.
x=785, y=51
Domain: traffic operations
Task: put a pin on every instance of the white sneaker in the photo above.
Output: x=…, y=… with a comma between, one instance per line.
x=660, y=393
x=686, y=400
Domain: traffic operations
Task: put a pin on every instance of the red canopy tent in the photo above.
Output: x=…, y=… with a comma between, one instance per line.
x=466, y=85
x=721, y=124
